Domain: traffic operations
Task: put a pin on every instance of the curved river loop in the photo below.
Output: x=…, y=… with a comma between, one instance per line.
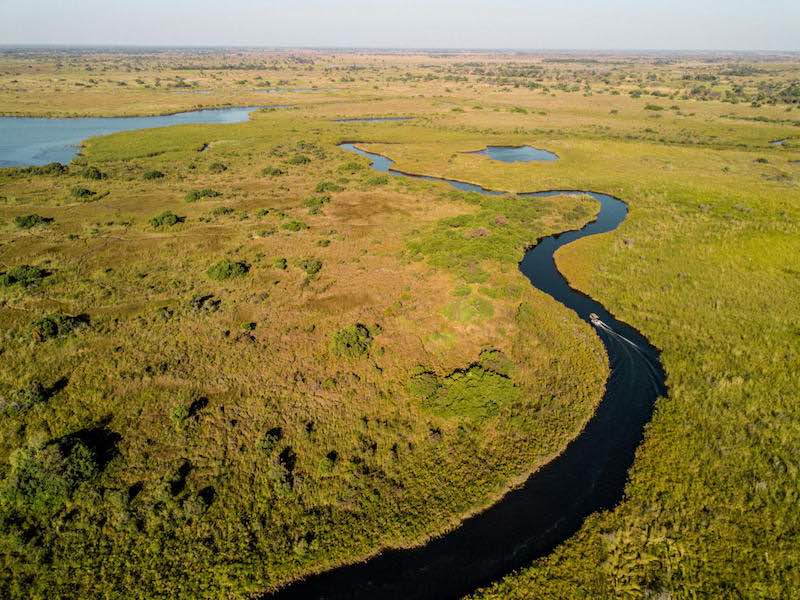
x=588, y=476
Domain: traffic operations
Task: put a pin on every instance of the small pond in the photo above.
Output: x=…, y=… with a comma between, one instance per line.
x=512, y=154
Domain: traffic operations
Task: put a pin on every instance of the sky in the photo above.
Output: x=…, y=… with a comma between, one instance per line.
x=473, y=24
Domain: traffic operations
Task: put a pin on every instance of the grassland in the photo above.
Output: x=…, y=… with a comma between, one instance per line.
x=262, y=376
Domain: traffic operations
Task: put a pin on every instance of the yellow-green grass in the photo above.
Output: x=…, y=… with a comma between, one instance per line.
x=703, y=266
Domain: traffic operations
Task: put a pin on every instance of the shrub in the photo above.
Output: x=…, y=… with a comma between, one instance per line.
x=262, y=212
x=351, y=342
x=179, y=415
x=151, y=175
x=205, y=303
x=24, y=399
x=30, y=221
x=351, y=167
x=217, y=167
x=299, y=159
x=312, y=266
x=221, y=211
x=42, y=479
x=475, y=392
x=378, y=180
x=81, y=193
x=226, y=269
x=53, y=326
x=294, y=226
x=327, y=186
x=271, y=439
x=653, y=107
x=315, y=204
x=93, y=173
x=280, y=263
x=24, y=275
x=54, y=169
x=195, y=195
x=166, y=219
x=272, y=172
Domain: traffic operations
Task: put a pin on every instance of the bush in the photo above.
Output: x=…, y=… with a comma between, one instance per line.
x=351, y=342
x=653, y=107
x=475, y=392
x=226, y=269
x=81, y=193
x=221, y=211
x=294, y=226
x=53, y=326
x=327, y=186
x=93, y=173
x=24, y=275
x=166, y=219
x=48, y=169
x=42, y=479
x=30, y=221
x=195, y=195
x=151, y=175
x=378, y=180
x=217, y=167
x=280, y=263
x=315, y=204
x=205, y=303
x=299, y=159
x=24, y=399
x=272, y=172
x=312, y=266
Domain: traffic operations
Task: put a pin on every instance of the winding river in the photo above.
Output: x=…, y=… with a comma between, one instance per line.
x=588, y=476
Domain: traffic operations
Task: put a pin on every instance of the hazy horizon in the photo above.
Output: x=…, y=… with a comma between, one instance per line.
x=512, y=25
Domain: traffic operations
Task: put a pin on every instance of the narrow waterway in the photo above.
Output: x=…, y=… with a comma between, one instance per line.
x=588, y=476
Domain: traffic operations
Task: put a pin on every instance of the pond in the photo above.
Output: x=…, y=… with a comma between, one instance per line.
x=27, y=141
x=512, y=154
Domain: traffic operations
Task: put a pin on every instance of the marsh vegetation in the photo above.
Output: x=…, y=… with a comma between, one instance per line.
x=233, y=355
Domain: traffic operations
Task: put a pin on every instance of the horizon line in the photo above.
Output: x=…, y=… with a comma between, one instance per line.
x=60, y=45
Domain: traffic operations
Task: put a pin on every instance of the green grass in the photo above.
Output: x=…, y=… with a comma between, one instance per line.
x=250, y=456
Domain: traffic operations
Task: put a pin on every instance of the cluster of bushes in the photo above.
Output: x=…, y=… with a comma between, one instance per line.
x=195, y=195
x=315, y=204
x=227, y=269
x=93, y=173
x=43, y=478
x=217, y=167
x=54, y=168
x=31, y=221
x=53, y=326
x=205, y=303
x=152, y=175
x=23, y=275
x=23, y=399
x=477, y=391
x=324, y=187
x=272, y=172
x=311, y=266
x=81, y=193
x=377, y=180
x=294, y=226
x=352, y=341
x=166, y=219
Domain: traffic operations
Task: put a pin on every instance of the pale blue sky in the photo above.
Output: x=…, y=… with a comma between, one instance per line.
x=527, y=24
